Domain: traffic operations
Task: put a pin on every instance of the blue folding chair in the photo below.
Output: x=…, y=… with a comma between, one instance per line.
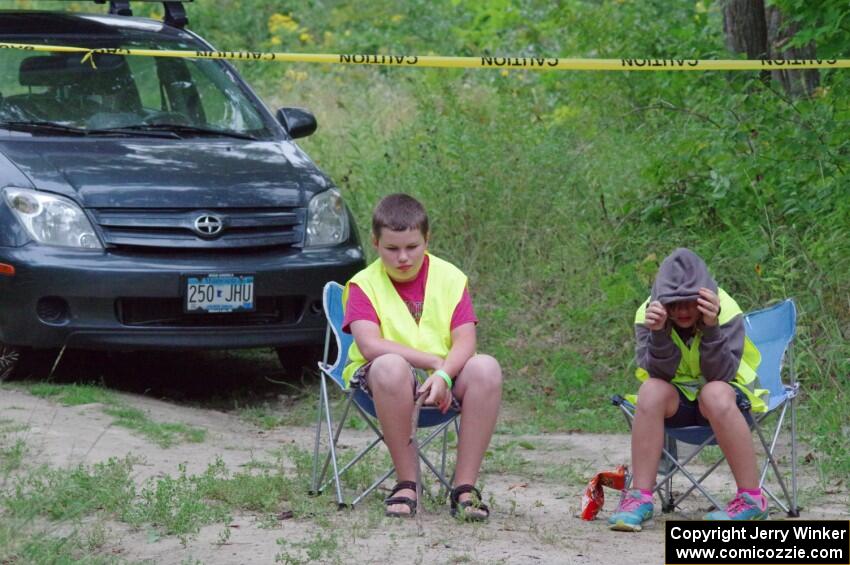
x=772, y=331
x=430, y=417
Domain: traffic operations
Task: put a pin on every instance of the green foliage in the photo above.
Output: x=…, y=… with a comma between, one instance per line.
x=824, y=22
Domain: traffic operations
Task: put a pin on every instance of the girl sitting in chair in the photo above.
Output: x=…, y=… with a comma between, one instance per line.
x=695, y=362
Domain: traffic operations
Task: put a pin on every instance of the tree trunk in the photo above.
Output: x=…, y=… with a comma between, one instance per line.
x=745, y=26
x=796, y=83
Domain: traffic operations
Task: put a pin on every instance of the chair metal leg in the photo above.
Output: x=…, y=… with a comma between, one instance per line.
x=314, y=484
x=680, y=467
x=360, y=455
x=699, y=480
x=443, y=455
x=440, y=476
x=794, y=511
x=328, y=420
x=780, y=420
x=775, y=499
x=428, y=439
x=667, y=503
x=768, y=453
x=354, y=461
x=773, y=464
x=335, y=438
x=372, y=487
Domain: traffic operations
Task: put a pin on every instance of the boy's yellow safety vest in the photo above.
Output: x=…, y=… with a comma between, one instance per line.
x=689, y=378
x=443, y=290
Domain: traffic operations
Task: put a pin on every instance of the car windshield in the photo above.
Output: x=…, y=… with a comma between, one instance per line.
x=132, y=94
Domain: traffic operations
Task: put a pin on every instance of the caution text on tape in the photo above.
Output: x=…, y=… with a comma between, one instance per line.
x=491, y=62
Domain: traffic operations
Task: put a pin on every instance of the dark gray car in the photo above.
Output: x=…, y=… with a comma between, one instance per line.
x=152, y=202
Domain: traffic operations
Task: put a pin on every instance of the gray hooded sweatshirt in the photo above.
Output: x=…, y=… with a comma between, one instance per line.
x=680, y=276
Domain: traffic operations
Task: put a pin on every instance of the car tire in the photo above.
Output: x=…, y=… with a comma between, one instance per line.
x=294, y=359
x=25, y=363
x=10, y=359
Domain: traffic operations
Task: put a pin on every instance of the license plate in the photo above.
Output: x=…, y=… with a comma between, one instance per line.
x=219, y=293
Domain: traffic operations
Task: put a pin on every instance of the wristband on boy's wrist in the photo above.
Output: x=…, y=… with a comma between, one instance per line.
x=445, y=376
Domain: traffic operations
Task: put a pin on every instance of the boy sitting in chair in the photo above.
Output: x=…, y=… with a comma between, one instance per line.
x=413, y=324
x=695, y=363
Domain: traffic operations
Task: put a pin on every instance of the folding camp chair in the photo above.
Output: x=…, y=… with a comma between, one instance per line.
x=772, y=331
x=430, y=418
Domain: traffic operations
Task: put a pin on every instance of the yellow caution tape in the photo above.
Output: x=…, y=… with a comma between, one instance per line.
x=486, y=62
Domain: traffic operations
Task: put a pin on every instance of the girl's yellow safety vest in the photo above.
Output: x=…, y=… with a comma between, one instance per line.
x=689, y=378
x=443, y=291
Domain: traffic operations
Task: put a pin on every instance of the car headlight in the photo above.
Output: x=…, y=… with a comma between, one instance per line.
x=327, y=219
x=51, y=219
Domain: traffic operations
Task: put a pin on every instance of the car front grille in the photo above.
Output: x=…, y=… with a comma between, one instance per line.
x=168, y=312
x=175, y=229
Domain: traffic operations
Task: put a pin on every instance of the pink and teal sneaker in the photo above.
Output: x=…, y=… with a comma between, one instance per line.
x=742, y=507
x=634, y=509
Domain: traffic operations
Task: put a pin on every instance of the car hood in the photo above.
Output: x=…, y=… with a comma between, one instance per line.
x=134, y=173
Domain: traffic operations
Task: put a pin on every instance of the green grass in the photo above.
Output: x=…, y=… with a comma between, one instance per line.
x=73, y=394
x=262, y=417
x=299, y=410
x=45, y=500
x=321, y=548
x=11, y=457
x=162, y=434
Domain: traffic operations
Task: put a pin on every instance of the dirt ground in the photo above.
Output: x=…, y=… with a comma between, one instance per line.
x=535, y=520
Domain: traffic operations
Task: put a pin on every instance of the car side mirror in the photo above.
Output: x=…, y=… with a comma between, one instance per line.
x=297, y=122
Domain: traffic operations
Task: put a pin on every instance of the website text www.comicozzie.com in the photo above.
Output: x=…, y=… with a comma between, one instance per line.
x=704, y=554
x=787, y=542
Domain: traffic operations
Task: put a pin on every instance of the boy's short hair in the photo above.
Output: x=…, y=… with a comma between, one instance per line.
x=399, y=212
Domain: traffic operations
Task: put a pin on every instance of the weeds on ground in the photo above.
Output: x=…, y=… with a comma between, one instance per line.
x=162, y=434
x=321, y=548
x=12, y=456
x=51, y=508
x=75, y=394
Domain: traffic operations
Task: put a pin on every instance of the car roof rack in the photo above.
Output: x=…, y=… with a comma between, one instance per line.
x=175, y=13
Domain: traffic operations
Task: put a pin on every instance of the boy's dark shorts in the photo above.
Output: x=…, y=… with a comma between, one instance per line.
x=688, y=413
x=360, y=379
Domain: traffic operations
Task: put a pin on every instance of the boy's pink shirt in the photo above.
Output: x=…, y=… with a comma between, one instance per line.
x=412, y=293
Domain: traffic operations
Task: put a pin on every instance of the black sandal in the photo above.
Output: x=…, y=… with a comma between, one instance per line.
x=410, y=502
x=459, y=508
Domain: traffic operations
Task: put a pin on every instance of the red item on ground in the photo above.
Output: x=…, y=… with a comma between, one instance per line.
x=594, y=497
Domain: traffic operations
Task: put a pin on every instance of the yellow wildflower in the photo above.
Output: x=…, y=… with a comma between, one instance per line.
x=282, y=22
x=297, y=76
